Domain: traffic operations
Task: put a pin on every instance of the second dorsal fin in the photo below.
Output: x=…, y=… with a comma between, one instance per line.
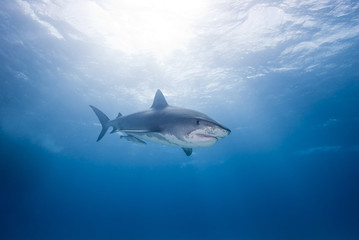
x=159, y=101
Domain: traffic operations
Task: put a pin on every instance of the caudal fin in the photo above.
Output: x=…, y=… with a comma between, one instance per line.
x=104, y=120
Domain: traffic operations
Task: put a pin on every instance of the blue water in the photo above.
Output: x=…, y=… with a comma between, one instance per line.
x=283, y=76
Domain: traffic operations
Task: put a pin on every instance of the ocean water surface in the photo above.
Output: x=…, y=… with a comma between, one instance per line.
x=282, y=75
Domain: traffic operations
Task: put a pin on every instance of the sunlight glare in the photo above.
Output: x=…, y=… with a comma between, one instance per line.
x=158, y=27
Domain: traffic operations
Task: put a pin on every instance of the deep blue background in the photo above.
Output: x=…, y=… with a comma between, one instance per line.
x=288, y=170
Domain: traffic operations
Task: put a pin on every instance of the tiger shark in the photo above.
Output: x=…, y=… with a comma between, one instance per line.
x=165, y=124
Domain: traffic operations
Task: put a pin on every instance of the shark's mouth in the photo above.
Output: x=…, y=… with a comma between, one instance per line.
x=200, y=139
x=202, y=135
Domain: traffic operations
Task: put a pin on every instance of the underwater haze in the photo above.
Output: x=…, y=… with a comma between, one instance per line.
x=282, y=75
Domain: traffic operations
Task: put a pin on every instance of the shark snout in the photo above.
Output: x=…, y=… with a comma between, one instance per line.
x=227, y=130
x=222, y=131
x=218, y=131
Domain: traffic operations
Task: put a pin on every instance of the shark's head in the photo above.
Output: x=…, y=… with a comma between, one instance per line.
x=185, y=127
x=194, y=129
x=203, y=132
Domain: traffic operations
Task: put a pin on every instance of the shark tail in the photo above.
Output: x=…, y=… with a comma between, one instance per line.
x=104, y=120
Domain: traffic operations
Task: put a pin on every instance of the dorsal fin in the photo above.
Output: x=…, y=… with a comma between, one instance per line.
x=159, y=101
x=119, y=115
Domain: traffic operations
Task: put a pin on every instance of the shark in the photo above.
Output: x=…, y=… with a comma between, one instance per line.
x=165, y=124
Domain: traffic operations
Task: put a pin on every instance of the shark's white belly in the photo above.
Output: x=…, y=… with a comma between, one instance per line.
x=172, y=140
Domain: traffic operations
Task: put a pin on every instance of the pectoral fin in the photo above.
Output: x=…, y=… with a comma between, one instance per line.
x=188, y=151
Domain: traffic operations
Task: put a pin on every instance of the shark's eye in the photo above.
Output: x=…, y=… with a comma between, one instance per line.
x=197, y=122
